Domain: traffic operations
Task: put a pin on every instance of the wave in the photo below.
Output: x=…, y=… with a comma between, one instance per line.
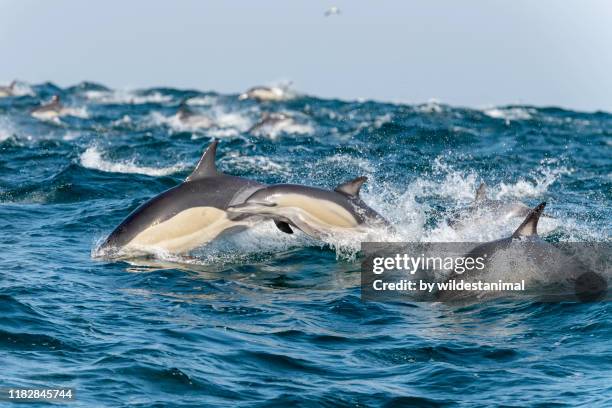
x=7, y=129
x=92, y=158
x=510, y=113
x=125, y=97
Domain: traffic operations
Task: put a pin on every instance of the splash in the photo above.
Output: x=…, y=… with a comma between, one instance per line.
x=92, y=158
x=510, y=113
x=125, y=97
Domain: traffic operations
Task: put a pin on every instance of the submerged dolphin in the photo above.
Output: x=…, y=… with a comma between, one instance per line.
x=484, y=209
x=525, y=249
x=271, y=119
x=49, y=110
x=8, y=90
x=184, y=217
x=315, y=211
x=192, y=119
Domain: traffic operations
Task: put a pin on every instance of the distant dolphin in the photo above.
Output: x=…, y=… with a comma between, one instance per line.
x=483, y=209
x=49, y=110
x=6, y=91
x=264, y=93
x=553, y=264
x=315, y=211
x=192, y=119
x=184, y=217
x=271, y=119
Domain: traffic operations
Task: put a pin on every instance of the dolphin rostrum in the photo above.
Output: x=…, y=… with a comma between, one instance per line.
x=315, y=211
x=519, y=253
x=184, y=217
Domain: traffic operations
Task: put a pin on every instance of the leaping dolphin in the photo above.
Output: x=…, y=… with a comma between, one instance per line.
x=484, y=209
x=6, y=91
x=264, y=93
x=553, y=265
x=184, y=217
x=315, y=211
x=49, y=110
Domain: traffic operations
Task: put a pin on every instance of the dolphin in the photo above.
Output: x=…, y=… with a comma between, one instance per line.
x=264, y=93
x=9, y=90
x=189, y=118
x=49, y=110
x=315, y=211
x=273, y=119
x=522, y=250
x=484, y=209
x=184, y=217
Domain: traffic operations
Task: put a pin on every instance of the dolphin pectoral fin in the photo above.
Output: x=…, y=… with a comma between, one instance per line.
x=529, y=227
x=283, y=226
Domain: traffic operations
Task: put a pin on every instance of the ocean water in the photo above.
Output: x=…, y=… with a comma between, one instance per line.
x=267, y=319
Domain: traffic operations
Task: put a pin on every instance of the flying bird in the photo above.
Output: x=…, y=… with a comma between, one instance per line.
x=333, y=10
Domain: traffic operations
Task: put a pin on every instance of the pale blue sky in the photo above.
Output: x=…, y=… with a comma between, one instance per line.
x=473, y=52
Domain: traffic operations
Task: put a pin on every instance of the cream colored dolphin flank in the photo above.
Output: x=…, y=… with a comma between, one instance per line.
x=315, y=211
x=185, y=217
x=51, y=110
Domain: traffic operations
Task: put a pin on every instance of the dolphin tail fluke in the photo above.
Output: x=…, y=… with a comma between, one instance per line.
x=481, y=193
x=529, y=227
x=351, y=188
x=206, y=167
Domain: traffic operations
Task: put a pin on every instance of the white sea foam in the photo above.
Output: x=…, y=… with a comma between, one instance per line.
x=22, y=89
x=93, y=158
x=432, y=106
x=7, y=129
x=78, y=112
x=126, y=97
x=254, y=164
x=509, y=114
x=206, y=100
x=216, y=122
x=286, y=126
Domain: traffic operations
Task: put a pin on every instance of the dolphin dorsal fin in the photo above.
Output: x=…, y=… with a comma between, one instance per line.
x=481, y=193
x=529, y=227
x=351, y=188
x=206, y=167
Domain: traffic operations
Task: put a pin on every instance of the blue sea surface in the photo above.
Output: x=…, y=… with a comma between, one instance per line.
x=263, y=318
